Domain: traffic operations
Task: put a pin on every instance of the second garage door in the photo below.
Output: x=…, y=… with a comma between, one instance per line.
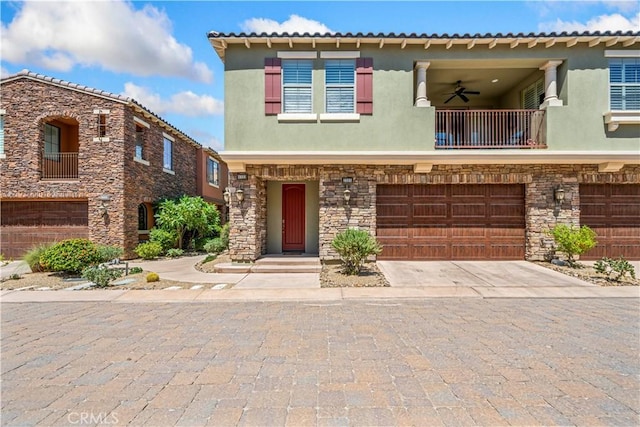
x=451, y=222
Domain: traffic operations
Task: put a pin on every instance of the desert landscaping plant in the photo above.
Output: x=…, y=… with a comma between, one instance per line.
x=168, y=239
x=32, y=257
x=109, y=253
x=148, y=250
x=152, y=277
x=573, y=241
x=101, y=275
x=215, y=245
x=354, y=246
x=620, y=266
x=188, y=214
x=71, y=255
x=175, y=252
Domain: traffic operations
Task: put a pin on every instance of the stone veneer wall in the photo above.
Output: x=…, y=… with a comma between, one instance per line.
x=103, y=167
x=540, y=210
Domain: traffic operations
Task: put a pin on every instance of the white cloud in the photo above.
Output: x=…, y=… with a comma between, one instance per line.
x=614, y=22
x=207, y=139
x=4, y=73
x=295, y=24
x=622, y=5
x=109, y=34
x=185, y=103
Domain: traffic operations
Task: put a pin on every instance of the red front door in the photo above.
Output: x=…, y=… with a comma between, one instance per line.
x=293, y=217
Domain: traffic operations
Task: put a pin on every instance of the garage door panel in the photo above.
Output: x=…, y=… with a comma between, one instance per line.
x=430, y=211
x=613, y=212
x=505, y=251
x=457, y=221
x=391, y=232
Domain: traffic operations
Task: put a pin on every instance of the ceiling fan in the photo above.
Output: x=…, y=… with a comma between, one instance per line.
x=461, y=92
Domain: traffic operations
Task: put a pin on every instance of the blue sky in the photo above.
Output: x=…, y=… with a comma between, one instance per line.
x=157, y=52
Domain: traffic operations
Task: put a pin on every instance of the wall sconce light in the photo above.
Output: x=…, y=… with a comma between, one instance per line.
x=347, y=196
x=226, y=196
x=240, y=194
x=104, y=200
x=558, y=195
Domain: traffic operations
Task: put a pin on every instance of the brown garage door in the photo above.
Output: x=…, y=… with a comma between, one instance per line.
x=613, y=212
x=442, y=222
x=28, y=224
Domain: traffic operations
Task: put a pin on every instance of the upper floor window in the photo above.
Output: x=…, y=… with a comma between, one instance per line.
x=1, y=132
x=167, y=157
x=296, y=85
x=213, y=172
x=102, y=125
x=340, y=85
x=139, y=142
x=51, y=141
x=624, y=83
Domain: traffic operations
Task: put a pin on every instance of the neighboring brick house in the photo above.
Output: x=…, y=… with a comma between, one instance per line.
x=81, y=162
x=443, y=146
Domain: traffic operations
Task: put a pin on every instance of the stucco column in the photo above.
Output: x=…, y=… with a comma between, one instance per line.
x=550, y=84
x=421, y=84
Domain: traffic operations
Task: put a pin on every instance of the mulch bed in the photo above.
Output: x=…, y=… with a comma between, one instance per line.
x=370, y=276
x=589, y=274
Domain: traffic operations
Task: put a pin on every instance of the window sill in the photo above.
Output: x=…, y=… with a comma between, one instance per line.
x=3, y=156
x=616, y=118
x=298, y=117
x=101, y=139
x=169, y=171
x=340, y=117
x=213, y=185
x=139, y=160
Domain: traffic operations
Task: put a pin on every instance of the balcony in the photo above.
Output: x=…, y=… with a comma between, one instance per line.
x=59, y=166
x=488, y=129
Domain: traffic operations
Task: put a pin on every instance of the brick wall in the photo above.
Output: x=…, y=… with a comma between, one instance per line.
x=103, y=167
x=248, y=225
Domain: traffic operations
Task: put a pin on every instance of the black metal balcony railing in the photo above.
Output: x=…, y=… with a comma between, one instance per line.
x=59, y=166
x=490, y=129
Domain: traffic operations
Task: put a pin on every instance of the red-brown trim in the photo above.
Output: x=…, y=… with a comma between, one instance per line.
x=364, y=85
x=272, y=86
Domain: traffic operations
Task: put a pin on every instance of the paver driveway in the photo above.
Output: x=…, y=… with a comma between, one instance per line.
x=430, y=362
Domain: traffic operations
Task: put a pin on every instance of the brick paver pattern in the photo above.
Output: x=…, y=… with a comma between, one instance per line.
x=433, y=362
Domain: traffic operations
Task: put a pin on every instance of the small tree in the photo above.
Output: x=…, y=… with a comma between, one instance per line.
x=573, y=241
x=354, y=246
x=191, y=214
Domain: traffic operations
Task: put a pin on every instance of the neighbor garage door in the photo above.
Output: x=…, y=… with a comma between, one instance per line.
x=28, y=224
x=451, y=222
x=613, y=212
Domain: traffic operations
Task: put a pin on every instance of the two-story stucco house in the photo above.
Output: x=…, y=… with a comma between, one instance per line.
x=80, y=162
x=442, y=146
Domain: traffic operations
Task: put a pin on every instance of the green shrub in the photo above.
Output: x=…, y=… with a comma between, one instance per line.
x=573, y=241
x=354, y=246
x=152, y=277
x=109, y=253
x=215, y=245
x=175, y=252
x=224, y=234
x=188, y=217
x=620, y=266
x=71, y=255
x=101, y=275
x=166, y=238
x=32, y=258
x=135, y=270
x=148, y=250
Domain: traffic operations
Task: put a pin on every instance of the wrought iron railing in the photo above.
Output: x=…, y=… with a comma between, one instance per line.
x=59, y=166
x=490, y=129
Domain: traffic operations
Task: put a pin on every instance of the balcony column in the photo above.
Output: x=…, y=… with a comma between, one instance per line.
x=421, y=86
x=551, y=85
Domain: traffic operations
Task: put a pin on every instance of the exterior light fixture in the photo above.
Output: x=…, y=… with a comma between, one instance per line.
x=558, y=195
x=104, y=200
x=347, y=196
x=226, y=196
x=240, y=194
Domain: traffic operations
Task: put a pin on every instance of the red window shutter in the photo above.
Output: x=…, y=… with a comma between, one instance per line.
x=364, y=85
x=272, y=85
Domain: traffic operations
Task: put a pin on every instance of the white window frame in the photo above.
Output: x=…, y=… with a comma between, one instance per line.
x=341, y=117
x=297, y=85
x=615, y=118
x=167, y=139
x=99, y=113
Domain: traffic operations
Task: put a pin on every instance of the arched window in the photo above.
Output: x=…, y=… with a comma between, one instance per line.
x=143, y=217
